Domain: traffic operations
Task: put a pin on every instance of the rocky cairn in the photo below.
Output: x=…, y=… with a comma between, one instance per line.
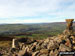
x=46, y=47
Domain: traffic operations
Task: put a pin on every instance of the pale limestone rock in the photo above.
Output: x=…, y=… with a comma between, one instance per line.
x=13, y=43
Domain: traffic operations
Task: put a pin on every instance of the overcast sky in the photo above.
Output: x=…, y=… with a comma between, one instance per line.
x=36, y=11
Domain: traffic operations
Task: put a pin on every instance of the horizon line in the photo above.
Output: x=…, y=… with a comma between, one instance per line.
x=34, y=23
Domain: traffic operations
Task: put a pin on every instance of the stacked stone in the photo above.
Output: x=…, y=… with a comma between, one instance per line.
x=69, y=32
x=70, y=29
x=73, y=42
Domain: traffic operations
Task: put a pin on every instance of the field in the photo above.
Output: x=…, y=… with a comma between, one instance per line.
x=38, y=30
x=32, y=30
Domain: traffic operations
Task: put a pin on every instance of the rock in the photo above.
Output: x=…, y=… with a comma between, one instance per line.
x=35, y=43
x=21, y=52
x=44, y=51
x=38, y=47
x=69, y=29
x=74, y=48
x=33, y=48
x=62, y=47
x=56, y=52
x=57, y=39
x=52, y=45
x=68, y=43
x=46, y=40
x=27, y=49
x=21, y=45
x=40, y=43
x=69, y=23
x=73, y=37
x=66, y=32
x=35, y=53
x=51, y=53
x=65, y=36
x=44, y=46
x=44, y=55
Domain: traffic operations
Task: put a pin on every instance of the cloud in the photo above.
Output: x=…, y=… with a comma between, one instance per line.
x=12, y=21
x=29, y=10
x=26, y=7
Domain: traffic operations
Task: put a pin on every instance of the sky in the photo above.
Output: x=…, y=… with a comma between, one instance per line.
x=36, y=11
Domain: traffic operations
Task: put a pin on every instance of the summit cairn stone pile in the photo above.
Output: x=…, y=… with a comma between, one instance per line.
x=69, y=32
x=50, y=46
x=69, y=29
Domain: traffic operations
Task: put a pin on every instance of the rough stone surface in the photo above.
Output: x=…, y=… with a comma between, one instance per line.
x=62, y=47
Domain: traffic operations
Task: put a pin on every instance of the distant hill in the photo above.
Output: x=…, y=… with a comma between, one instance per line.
x=29, y=29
